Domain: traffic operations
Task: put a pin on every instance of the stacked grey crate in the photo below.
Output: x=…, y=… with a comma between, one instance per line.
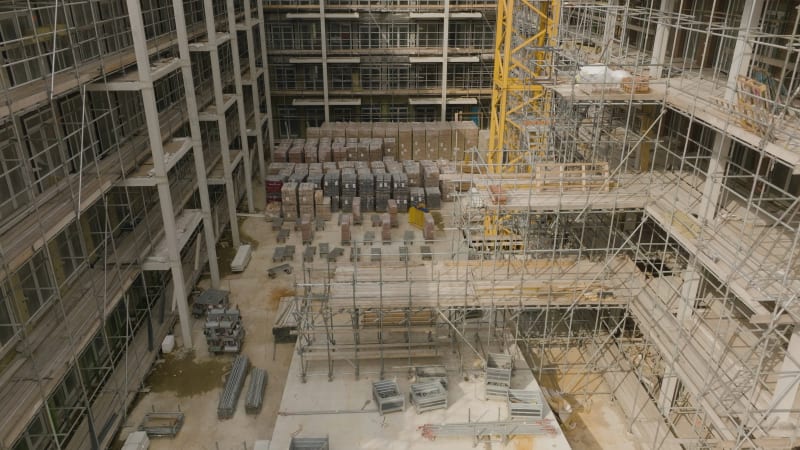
x=523, y=404
x=375, y=149
x=498, y=376
x=377, y=166
x=351, y=148
x=430, y=180
x=233, y=388
x=305, y=199
x=289, y=201
x=366, y=189
x=400, y=191
x=416, y=196
x=428, y=396
x=383, y=191
x=329, y=166
x=330, y=187
x=224, y=330
x=338, y=151
x=349, y=189
x=412, y=170
x=255, y=391
x=299, y=174
x=387, y=396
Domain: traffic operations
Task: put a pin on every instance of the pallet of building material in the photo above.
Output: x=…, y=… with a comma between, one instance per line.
x=405, y=142
x=272, y=187
x=351, y=150
x=310, y=153
x=323, y=208
x=412, y=171
x=305, y=199
x=433, y=198
x=497, y=376
x=386, y=229
x=390, y=147
x=233, y=388
x=315, y=177
x=296, y=154
x=445, y=140
x=636, y=84
x=284, y=329
x=254, y=398
x=391, y=207
x=306, y=229
x=417, y=196
x=418, y=149
x=525, y=404
x=429, y=173
x=346, y=220
x=280, y=154
x=428, y=396
x=377, y=167
x=324, y=152
x=241, y=259
x=375, y=149
x=338, y=152
x=428, y=227
x=383, y=191
x=312, y=132
x=356, y=214
x=224, y=330
x=431, y=142
x=387, y=396
x=289, y=201
x=464, y=138
x=571, y=177
x=162, y=424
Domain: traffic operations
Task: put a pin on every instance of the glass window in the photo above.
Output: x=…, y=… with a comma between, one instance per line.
x=36, y=283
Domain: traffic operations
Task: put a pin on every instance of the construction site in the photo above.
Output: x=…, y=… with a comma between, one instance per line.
x=399, y=224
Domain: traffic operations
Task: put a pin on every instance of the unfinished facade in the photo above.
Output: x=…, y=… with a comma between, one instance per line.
x=378, y=61
x=129, y=131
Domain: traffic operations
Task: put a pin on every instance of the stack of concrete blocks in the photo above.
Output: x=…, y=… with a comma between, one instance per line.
x=289, y=201
x=428, y=227
x=330, y=187
x=349, y=189
x=430, y=173
x=383, y=190
x=338, y=151
x=445, y=140
x=392, y=207
x=464, y=139
x=357, y=217
x=324, y=150
x=405, y=142
x=400, y=191
x=310, y=150
x=418, y=134
x=416, y=196
x=386, y=228
x=412, y=170
x=299, y=174
x=366, y=189
x=305, y=199
x=322, y=205
x=346, y=236
x=281, y=151
x=296, y=151
x=306, y=229
x=375, y=149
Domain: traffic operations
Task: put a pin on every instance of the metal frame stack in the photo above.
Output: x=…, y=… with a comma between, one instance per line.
x=428, y=396
x=346, y=233
x=309, y=444
x=388, y=397
x=233, y=388
x=524, y=404
x=498, y=376
x=255, y=391
x=224, y=330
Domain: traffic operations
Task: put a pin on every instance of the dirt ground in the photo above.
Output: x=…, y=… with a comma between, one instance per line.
x=191, y=381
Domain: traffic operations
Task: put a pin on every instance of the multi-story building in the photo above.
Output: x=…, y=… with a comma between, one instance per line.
x=129, y=132
x=360, y=60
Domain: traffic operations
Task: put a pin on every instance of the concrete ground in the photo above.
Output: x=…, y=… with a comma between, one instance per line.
x=192, y=381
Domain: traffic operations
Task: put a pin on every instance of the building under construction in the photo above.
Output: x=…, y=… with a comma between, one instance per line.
x=508, y=214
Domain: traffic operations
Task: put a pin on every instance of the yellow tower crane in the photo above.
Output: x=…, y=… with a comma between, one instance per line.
x=523, y=61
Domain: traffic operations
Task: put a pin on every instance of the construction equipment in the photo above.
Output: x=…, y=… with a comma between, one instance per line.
x=233, y=388
x=387, y=396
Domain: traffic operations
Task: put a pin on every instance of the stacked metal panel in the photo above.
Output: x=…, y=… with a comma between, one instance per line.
x=428, y=396
x=254, y=398
x=233, y=388
x=289, y=200
x=498, y=376
x=330, y=187
x=388, y=397
x=383, y=191
x=366, y=189
x=349, y=189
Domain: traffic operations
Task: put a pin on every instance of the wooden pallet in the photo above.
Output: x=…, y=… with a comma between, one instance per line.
x=571, y=177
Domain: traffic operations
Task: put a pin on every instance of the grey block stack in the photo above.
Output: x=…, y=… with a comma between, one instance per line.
x=366, y=190
x=400, y=191
x=305, y=199
x=233, y=388
x=417, y=196
x=430, y=174
x=412, y=170
x=330, y=187
x=383, y=191
x=349, y=189
x=289, y=200
x=433, y=198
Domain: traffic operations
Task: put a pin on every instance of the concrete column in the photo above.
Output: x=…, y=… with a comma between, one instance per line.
x=611, y=23
x=324, y=47
x=237, y=81
x=197, y=142
x=162, y=183
x=219, y=102
x=661, y=41
x=743, y=52
x=788, y=381
x=445, y=47
x=262, y=170
x=265, y=65
x=712, y=187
